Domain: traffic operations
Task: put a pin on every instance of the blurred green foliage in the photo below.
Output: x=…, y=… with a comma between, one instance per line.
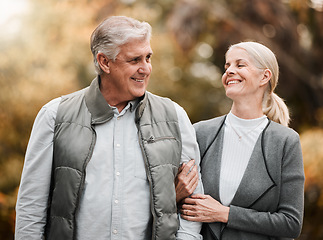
x=45, y=53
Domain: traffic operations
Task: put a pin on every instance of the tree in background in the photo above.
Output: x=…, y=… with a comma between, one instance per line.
x=50, y=56
x=291, y=30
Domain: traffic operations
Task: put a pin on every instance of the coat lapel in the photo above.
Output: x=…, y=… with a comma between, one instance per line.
x=211, y=166
x=256, y=179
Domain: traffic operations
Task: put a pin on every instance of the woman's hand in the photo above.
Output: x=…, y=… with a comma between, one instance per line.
x=204, y=208
x=186, y=180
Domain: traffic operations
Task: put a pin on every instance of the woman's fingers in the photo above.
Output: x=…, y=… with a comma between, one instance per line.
x=186, y=180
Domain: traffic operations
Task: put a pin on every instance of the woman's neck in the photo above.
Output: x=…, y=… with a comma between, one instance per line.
x=247, y=110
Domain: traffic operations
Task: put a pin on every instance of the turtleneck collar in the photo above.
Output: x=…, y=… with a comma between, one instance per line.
x=244, y=123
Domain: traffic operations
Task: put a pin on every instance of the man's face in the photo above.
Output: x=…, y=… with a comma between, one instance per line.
x=129, y=73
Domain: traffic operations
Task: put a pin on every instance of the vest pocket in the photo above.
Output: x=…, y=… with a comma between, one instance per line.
x=162, y=145
x=153, y=139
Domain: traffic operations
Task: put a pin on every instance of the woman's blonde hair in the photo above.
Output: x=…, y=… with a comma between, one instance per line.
x=273, y=106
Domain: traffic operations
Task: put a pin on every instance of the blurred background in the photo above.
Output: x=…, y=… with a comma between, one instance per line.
x=44, y=53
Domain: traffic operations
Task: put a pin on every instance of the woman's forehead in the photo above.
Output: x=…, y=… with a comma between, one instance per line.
x=235, y=54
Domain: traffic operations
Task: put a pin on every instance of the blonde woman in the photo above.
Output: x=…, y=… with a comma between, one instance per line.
x=251, y=162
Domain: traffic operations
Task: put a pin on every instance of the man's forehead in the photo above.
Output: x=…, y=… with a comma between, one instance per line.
x=134, y=50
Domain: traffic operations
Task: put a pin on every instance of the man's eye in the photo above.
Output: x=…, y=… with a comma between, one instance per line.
x=241, y=65
x=148, y=58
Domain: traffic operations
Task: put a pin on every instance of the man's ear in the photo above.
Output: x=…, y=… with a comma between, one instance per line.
x=266, y=77
x=103, y=62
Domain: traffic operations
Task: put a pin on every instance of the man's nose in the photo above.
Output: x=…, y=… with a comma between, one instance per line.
x=144, y=68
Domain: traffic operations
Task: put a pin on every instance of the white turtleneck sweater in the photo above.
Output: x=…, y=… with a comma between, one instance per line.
x=240, y=136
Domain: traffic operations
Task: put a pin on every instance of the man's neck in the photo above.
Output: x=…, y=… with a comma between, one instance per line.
x=110, y=95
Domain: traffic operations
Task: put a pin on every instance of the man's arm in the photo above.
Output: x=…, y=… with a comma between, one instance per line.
x=189, y=230
x=31, y=206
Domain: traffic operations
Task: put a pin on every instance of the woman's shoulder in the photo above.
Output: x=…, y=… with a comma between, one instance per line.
x=279, y=129
x=206, y=125
x=279, y=133
x=206, y=130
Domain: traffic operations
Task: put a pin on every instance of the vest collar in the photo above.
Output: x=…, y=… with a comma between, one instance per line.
x=100, y=110
x=141, y=106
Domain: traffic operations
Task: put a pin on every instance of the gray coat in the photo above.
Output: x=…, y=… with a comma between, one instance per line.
x=270, y=199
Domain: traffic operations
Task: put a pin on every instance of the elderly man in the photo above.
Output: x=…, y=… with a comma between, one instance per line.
x=101, y=162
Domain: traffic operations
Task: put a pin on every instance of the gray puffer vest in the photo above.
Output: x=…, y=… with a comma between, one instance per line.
x=74, y=140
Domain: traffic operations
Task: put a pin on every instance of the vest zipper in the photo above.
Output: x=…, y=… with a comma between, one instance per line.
x=153, y=233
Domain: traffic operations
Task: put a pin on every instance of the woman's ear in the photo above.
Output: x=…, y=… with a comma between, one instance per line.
x=103, y=62
x=266, y=77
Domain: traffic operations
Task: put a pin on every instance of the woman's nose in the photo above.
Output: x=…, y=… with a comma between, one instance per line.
x=229, y=70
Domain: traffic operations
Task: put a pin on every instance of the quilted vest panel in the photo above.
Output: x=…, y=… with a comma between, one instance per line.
x=161, y=144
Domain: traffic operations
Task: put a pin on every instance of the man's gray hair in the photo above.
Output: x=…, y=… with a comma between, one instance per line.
x=114, y=32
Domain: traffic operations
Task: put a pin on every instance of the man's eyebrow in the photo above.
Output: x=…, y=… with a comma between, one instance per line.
x=133, y=57
x=139, y=56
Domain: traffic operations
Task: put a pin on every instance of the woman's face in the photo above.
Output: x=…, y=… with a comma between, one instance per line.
x=242, y=79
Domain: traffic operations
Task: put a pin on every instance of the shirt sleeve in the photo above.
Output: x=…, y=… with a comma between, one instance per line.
x=31, y=206
x=188, y=230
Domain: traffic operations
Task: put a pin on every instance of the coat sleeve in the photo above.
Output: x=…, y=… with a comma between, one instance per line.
x=286, y=221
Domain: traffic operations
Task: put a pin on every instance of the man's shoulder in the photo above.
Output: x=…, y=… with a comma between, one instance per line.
x=72, y=101
x=160, y=102
x=69, y=108
x=79, y=93
x=164, y=100
x=54, y=103
x=157, y=97
x=167, y=103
